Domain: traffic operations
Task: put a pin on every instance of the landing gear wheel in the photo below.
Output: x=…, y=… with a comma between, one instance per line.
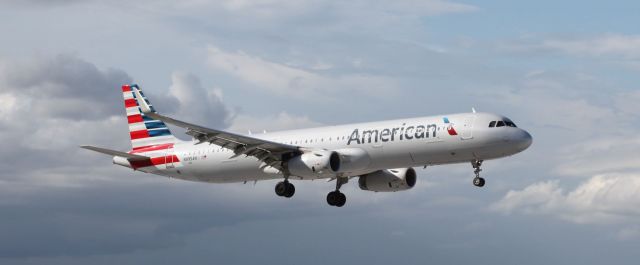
x=281, y=188
x=478, y=182
x=342, y=199
x=332, y=198
x=285, y=189
x=290, y=190
x=336, y=198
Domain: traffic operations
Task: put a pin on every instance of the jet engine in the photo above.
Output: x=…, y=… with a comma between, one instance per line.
x=388, y=180
x=353, y=160
x=314, y=164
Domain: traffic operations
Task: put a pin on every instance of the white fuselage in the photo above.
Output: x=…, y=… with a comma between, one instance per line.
x=398, y=143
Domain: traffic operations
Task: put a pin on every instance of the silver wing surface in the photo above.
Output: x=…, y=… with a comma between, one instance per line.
x=270, y=153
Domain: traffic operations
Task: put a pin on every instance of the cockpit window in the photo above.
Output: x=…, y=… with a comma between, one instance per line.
x=500, y=124
x=509, y=123
x=492, y=124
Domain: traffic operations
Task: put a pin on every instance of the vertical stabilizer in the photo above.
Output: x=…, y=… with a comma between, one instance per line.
x=144, y=131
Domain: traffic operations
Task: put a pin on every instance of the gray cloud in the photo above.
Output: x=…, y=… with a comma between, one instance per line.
x=198, y=104
x=58, y=206
x=63, y=87
x=43, y=3
x=50, y=106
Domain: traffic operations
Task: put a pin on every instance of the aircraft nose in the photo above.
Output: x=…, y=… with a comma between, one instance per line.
x=524, y=140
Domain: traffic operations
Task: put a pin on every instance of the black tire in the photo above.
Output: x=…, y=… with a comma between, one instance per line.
x=290, y=190
x=478, y=182
x=332, y=198
x=281, y=189
x=342, y=199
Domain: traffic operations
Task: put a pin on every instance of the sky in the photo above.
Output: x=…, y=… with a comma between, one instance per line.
x=567, y=72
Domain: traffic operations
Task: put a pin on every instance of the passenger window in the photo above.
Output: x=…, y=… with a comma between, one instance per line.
x=492, y=124
x=500, y=124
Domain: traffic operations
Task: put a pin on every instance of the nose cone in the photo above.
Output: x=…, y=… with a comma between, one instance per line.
x=523, y=140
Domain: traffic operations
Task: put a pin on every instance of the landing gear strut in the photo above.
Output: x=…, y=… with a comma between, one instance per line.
x=337, y=198
x=285, y=189
x=477, y=181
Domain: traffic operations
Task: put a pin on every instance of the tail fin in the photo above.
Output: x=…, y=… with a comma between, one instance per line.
x=144, y=131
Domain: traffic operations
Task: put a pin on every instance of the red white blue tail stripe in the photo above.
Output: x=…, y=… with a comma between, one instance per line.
x=145, y=132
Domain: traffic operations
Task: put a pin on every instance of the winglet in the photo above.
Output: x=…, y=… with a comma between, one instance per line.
x=473, y=110
x=141, y=102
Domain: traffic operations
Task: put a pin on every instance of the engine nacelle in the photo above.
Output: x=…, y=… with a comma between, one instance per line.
x=314, y=164
x=388, y=180
x=353, y=159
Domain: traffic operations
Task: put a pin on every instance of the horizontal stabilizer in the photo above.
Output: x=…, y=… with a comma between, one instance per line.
x=130, y=157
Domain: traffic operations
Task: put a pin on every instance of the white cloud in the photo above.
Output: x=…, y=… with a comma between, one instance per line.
x=603, y=199
x=8, y=104
x=270, y=8
x=290, y=81
x=613, y=46
x=546, y=108
x=577, y=103
x=276, y=77
x=619, y=152
x=619, y=46
x=627, y=104
x=278, y=9
x=426, y=8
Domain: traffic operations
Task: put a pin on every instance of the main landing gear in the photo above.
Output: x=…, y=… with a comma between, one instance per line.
x=477, y=181
x=285, y=189
x=337, y=198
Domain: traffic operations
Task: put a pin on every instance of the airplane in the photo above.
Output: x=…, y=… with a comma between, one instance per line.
x=382, y=155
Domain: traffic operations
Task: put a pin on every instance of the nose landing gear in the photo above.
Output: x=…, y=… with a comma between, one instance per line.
x=477, y=181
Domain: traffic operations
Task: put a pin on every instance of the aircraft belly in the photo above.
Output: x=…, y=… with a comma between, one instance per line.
x=218, y=168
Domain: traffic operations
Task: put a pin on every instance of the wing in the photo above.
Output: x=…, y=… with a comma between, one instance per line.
x=270, y=153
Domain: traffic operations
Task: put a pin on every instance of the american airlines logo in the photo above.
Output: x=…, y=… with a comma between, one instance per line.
x=403, y=133
x=392, y=134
